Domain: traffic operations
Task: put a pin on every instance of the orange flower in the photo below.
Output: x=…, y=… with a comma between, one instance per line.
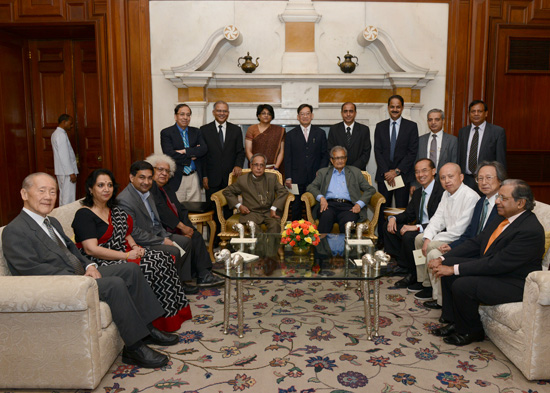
x=298, y=237
x=295, y=224
x=288, y=231
x=306, y=231
x=292, y=243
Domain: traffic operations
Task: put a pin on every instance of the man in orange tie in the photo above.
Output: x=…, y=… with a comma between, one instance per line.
x=490, y=268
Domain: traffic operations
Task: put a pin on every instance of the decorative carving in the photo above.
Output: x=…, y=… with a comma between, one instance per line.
x=370, y=33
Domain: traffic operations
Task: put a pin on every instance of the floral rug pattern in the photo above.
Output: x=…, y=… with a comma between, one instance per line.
x=309, y=336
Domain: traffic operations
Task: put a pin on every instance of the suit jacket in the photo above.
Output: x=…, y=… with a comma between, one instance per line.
x=277, y=193
x=359, y=151
x=167, y=217
x=448, y=152
x=219, y=162
x=303, y=160
x=359, y=189
x=471, y=230
x=171, y=140
x=515, y=253
x=144, y=232
x=29, y=250
x=412, y=212
x=405, y=149
x=493, y=145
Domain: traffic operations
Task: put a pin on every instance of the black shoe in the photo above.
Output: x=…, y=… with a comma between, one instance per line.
x=209, y=280
x=399, y=271
x=432, y=304
x=443, y=320
x=379, y=244
x=161, y=338
x=415, y=287
x=405, y=281
x=424, y=294
x=444, y=331
x=190, y=289
x=144, y=356
x=464, y=339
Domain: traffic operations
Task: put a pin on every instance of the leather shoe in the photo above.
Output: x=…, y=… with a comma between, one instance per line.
x=432, y=304
x=444, y=331
x=464, y=339
x=144, y=356
x=405, y=281
x=209, y=280
x=160, y=338
x=399, y=271
x=443, y=320
x=190, y=289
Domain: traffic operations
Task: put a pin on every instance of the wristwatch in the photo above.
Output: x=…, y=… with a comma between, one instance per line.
x=397, y=172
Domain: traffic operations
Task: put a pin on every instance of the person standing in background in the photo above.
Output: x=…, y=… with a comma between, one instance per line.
x=64, y=160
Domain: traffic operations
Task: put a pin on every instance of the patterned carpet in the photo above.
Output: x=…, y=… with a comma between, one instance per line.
x=309, y=336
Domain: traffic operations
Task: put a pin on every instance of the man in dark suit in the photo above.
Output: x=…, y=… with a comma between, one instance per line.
x=35, y=245
x=305, y=153
x=480, y=141
x=137, y=201
x=342, y=191
x=186, y=146
x=437, y=145
x=401, y=230
x=395, y=148
x=490, y=268
x=355, y=137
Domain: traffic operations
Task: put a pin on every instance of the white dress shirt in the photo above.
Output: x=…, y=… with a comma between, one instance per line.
x=64, y=159
x=224, y=127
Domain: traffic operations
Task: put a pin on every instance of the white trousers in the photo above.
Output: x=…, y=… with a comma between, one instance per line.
x=189, y=190
x=425, y=275
x=67, y=190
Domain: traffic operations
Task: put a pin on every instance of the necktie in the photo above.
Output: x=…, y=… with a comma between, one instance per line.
x=393, y=140
x=191, y=167
x=472, y=160
x=348, y=135
x=220, y=134
x=496, y=234
x=433, y=149
x=421, y=214
x=71, y=260
x=483, y=215
x=305, y=133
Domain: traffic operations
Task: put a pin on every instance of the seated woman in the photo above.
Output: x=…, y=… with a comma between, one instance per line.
x=266, y=138
x=103, y=234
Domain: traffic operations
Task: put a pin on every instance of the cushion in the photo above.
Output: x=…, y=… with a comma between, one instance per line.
x=508, y=314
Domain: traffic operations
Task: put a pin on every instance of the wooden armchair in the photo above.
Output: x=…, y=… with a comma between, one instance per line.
x=226, y=231
x=374, y=205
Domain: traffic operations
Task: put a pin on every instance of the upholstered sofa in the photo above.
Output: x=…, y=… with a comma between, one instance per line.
x=522, y=330
x=54, y=331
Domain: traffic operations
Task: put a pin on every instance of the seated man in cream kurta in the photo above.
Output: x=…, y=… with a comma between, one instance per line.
x=262, y=195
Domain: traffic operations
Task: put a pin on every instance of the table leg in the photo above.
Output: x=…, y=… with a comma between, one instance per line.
x=240, y=307
x=226, y=305
x=376, y=306
x=367, y=306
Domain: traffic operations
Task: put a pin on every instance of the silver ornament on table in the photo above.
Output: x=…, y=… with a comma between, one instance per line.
x=239, y=228
x=360, y=229
x=349, y=226
x=252, y=227
x=225, y=257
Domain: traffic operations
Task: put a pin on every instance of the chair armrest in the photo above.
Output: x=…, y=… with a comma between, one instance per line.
x=537, y=285
x=47, y=294
x=284, y=217
x=309, y=201
x=220, y=202
x=375, y=205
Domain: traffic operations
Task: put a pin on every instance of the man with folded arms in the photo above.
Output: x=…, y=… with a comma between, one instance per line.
x=35, y=245
x=453, y=215
x=402, y=229
x=490, y=268
x=342, y=192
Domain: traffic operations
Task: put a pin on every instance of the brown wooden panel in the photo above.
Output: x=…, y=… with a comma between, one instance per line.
x=34, y=8
x=6, y=12
x=76, y=12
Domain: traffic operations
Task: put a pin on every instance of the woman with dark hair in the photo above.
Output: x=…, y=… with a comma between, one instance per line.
x=103, y=234
x=266, y=138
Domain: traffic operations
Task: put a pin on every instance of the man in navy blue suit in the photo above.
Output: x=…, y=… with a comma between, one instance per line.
x=305, y=153
x=395, y=148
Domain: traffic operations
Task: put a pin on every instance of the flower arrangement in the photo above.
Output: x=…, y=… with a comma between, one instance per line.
x=300, y=234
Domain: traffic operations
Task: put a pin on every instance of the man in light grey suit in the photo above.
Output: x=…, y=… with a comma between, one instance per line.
x=480, y=141
x=342, y=192
x=137, y=201
x=437, y=145
x=35, y=245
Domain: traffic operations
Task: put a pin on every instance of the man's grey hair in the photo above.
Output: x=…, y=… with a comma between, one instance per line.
x=220, y=102
x=499, y=168
x=29, y=180
x=435, y=110
x=338, y=148
x=521, y=191
x=258, y=155
x=157, y=158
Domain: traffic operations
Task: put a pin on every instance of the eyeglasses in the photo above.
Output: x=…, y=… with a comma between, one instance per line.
x=339, y=158
x=488, y=179
x=259, y=165
x=503, y=198
x=163, y=170
x=306, y=114
x=221, y=111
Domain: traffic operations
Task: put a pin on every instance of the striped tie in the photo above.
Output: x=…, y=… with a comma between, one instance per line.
x=472, y=160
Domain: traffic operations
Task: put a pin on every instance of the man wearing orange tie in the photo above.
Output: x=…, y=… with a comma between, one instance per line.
x=490, y=268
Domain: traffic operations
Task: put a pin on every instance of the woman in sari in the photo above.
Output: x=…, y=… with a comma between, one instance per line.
x=266, y=138
x=103, y=234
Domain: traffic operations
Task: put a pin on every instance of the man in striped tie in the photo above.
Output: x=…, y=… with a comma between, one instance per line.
x=490, y=268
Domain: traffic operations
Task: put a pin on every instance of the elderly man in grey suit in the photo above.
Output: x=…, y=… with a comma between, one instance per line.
x=480, y=141
x=138, y=202
x=342, y=192
x=35, y=245
x=437, y=145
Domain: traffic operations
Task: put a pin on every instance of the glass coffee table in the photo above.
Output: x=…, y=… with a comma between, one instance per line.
x=333, y=259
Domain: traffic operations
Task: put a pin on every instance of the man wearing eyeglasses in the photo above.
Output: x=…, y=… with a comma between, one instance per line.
x=342, y=192
x=262, y=196
x=490, y=268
